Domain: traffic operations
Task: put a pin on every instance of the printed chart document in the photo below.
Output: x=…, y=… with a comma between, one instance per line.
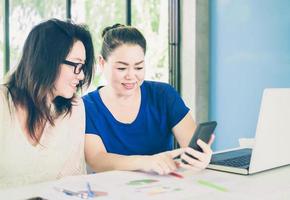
x=206, y=184
x=139, y=185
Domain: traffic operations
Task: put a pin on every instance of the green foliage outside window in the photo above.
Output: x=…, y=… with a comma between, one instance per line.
x=149, y=16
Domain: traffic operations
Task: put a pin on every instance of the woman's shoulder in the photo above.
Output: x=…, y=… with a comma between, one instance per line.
x=5, y=109
x=77, y=103
x=92, y=96
x=78, y=112
x=4, y=94
x=3, y=90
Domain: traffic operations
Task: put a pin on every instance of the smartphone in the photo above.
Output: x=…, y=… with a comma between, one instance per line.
x=203, y=132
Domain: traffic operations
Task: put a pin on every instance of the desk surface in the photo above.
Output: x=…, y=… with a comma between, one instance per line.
x=272, y=184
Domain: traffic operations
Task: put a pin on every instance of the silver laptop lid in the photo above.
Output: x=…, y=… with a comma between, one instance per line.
x=272, y=141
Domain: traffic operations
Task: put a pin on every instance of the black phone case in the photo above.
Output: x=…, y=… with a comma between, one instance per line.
x=203, y=132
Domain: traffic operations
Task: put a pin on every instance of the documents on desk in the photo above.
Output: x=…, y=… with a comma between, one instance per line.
x=206, y=184
x=124, y=185
x=203, y=185
x=138, y=185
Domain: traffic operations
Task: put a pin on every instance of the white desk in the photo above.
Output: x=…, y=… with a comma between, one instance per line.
x=273, y=184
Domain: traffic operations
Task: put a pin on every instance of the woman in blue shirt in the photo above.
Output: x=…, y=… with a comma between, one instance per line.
x=130, y=122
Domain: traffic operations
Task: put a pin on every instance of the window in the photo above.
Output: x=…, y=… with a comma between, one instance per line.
x=97, y=15
x=151, y=18
x=103, y=14
x=24, y=14
x=1, y=43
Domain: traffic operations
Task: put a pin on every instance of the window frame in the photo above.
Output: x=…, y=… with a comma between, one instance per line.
x=173, y=37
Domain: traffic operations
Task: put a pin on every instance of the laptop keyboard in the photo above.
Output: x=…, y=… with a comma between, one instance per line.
x=240, y=161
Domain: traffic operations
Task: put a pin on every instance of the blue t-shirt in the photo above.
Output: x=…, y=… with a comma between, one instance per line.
x=150, y=133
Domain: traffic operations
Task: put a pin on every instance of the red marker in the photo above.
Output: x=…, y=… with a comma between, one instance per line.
x=176, y=175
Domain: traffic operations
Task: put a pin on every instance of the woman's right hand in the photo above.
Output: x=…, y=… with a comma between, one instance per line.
x=162, y=163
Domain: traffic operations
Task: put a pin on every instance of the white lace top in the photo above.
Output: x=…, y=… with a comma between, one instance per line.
x=60, y=152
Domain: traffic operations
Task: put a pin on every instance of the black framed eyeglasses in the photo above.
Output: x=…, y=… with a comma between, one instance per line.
x=78, y=67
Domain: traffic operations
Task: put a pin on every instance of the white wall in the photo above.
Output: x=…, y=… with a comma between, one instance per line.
x=195, y=56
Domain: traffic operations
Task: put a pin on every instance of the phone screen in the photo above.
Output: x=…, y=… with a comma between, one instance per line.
x=203, y=132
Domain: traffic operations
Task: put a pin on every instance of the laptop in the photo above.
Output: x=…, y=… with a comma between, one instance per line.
x=272, y=141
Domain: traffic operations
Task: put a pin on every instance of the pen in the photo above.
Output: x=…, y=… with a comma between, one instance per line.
x=90, y=192
x=67, y=192
x=176, y=174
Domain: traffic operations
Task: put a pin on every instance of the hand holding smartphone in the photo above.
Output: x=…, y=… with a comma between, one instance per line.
x=203, y=132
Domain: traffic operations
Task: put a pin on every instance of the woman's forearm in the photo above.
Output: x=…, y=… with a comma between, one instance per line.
x=108, y=161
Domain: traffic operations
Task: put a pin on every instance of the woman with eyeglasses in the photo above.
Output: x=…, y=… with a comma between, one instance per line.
x=42, y=121
x=130, y=122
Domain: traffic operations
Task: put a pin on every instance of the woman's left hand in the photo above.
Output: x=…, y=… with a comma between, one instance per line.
x=197, y=160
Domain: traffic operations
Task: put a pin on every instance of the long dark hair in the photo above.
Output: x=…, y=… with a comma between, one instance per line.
x=117, y=35
x=45, y=48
